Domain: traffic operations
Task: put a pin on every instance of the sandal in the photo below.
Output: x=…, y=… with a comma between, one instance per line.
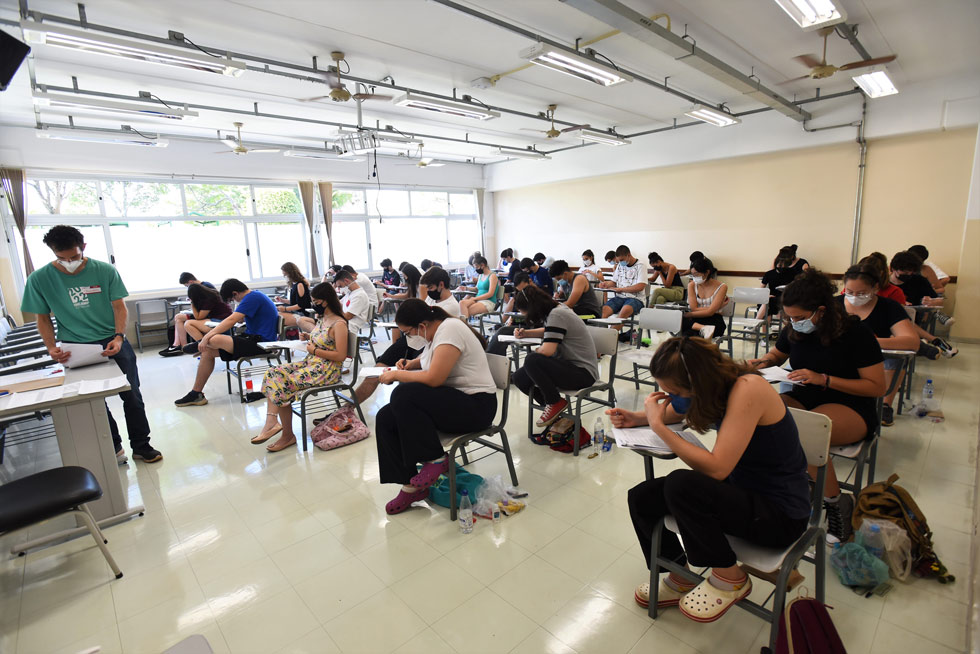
x=278, y=447
x=430, y=473
x=404, y=500
x=706, y=603
x=667, y=597
x=266, y=435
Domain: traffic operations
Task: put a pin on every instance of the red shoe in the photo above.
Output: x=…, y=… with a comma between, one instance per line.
x=551, y=413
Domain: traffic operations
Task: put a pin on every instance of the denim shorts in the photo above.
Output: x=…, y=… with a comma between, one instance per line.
x=893, y=364
x=617, y=303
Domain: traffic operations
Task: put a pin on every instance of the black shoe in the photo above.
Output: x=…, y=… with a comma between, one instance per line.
x=887, y=416
x=947, y=350
x=172, y=351
x=147, y=454
x=839, y=518
x=194, y=398
x=929, y=351
x=626, y=336
x=190, y=348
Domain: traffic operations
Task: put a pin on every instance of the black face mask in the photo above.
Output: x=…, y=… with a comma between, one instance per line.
x=320, y=309
x=906, y=277
x=435, y=294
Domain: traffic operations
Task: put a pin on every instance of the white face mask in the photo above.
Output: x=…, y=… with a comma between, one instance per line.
x=416, y=342
x=70, y=266
x=697, y=280
x=858, y=300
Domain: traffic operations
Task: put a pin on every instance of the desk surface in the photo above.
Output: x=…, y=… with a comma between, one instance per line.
x=99, y=371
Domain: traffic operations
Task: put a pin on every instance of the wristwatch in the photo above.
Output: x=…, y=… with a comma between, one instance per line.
x=123, y=336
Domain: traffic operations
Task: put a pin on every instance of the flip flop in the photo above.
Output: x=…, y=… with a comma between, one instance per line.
x=404, y=500
x=278, y=448
x=265, y=435
x=706, y=603
x=430, y=473
x=668, y=596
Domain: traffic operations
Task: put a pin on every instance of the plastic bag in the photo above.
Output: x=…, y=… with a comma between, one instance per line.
x=492, y=492
x=856, y=566
x=895, y=543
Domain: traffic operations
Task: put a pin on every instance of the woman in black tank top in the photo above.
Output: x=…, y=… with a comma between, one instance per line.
x=751, y=484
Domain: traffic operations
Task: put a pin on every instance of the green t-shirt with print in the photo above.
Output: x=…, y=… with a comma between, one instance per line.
x=82, y=302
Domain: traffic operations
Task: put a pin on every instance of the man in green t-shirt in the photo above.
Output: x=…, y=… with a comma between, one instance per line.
x=86, y=296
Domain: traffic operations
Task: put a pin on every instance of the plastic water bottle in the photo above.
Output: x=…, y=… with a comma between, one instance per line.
x=465, y=513
x=635, y=338
x=248, y=383
x=874, y=542
x=928, y=402
x=598, y=435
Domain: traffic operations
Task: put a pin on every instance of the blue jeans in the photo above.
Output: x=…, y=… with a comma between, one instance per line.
x=617, y=303
x=133, y=409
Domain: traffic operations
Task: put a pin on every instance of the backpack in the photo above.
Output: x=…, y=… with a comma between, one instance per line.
x=806, y=628
x=888, y=501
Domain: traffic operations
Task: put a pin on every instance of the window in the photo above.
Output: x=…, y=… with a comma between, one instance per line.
x=387, y=202
x=350, y=244
x=41, y=253
x=62, y=198
x=426, y=203
x=348, y=202
x=217, y=200
x=273, y=244
x=277, y=200
x=141, y=199
x=409, y=239
x=462, y=204
x=464, y=239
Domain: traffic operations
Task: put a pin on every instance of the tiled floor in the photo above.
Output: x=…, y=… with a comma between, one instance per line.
x=293, y=552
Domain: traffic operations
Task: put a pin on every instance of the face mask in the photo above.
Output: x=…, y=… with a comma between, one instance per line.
x=587, y=262
x=610, y=263
x=435, y=294
x=622, y=264
x=697, y=280
x=416, y=342
x=320, y=309
x=70, y=266
x=858, y=300
x=680, y=404
x=905, y=277
x=804, y=326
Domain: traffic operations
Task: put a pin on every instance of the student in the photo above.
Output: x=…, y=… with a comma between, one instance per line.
x=838, y=369
x=589, y=267
x=611, y=258
x=666, y=273
x=781, y=274
x=488, y=291
x=706, y=297
x=471, y=273
x=542, y=260
x=628, y=286
x=325, y=355
x=506, y=261
x=907, y=273
x=521, y=282
x=186, y=279
x=412, y=277
x=356, y=304
x=885, y=318
x=261, y=318
x=331, y=273
x=930, y=270
x=579, y=296
x=449, y=388
x=539, y=276
x=751, y=484
x=565, y=359
x=797, y=265
x=206, y=305
x=389, y=276
x=298, y=299
x=365, y=283
x=697, y=255
x=86, y=297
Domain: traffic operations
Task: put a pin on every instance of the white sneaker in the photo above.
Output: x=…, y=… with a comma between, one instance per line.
x=707, y=332
x=121, y=458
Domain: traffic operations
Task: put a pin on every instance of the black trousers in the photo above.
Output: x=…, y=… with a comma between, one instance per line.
x=705, y=510
x=137, y=426
x=397, y=351
x=407, y=428
x=717, y=320
x=543, y=376
x=495, y=346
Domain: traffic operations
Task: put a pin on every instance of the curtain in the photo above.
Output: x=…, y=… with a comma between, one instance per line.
x=306, y=195
x=326, y=202
x=13, y=188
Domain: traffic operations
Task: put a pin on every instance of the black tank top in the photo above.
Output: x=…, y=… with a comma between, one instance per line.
x=588, y=304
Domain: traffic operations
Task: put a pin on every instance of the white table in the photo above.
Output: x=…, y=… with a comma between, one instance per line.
x=81, y=426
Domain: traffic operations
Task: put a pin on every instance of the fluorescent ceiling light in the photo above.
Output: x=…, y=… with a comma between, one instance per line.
x=366, y=141
x=69, y=102
x=51, y=34
x=875, y=82
x=811, y=14
x=574, y=64
x=451, y=107
x=96, y=136
x=715, y=117
x=598, y=136
x=516, y=153
x=330, y=155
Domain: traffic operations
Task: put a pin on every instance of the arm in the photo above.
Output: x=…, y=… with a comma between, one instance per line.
x=200, y=315
x=774, y=357
x=635, y=288
x=222, y=327
x=870, y=381
x=579, y=286
x=119, y=316
x=46, y=329
x=492, y=291
x=623, y=419
x=340, y=336
x=444, y=358
x=904, y=337
x=529, y=333
x=721, y=296
x=692, y=297
x=931, y=277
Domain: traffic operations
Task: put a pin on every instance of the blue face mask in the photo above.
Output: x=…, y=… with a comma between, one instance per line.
x=622, y=264
x=804, y=326
x=680, y=404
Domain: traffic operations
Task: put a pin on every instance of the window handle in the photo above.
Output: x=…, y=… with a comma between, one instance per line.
x=112, y=259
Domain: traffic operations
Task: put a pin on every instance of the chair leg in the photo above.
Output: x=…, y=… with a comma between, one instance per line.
x=453, y=508
x=93, y=529
x=820, y=565
x=636, y=376
x=139, y=340
x=872, y=458
x=779, y=603
x=578, y=426
x=655, y=569
x=509, y=456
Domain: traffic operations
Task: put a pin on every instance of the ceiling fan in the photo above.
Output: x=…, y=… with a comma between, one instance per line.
x=339, y=92
x=238, y=146
x=552, y=133
x=820, y=69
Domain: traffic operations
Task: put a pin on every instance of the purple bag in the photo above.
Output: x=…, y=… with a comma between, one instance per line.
x=342, y=427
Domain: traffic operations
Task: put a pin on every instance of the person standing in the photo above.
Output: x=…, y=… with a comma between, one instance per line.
x=86, y=296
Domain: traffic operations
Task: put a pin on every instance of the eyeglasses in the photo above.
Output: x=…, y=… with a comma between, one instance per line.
x=800, y=318
x=857, y=294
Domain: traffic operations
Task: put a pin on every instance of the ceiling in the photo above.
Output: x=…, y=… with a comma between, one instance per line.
x=429, y=47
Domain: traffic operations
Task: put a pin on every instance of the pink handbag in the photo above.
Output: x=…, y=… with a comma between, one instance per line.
x=341, y=428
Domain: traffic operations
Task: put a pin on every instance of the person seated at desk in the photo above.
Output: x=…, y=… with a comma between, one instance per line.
x=706, y=297
x=331, y=273
x=472, y=272
x=206, y=305
x=752, y=484
x=390, y=276
x=261, y=319
x=590, y=268
x=906, y=269
x=566, y=358
x=298, y=299
x=86, y=298
x=628, y=286
x=539, y=276
x=930, y=270
x=367, y=286
x=697, y=255
x=494, y=346
x=353, y=300
x=666, y=273
x=576, y=291
x=412, y=277
x=839, y=372
x=543, y=261
x=781, y=274
x=325, y=356
x=506, y=261
x=488, y=291
x=449, y=388
x=611, y=259
x=186, y=279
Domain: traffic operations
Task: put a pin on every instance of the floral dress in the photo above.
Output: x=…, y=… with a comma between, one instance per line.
x=283, y=382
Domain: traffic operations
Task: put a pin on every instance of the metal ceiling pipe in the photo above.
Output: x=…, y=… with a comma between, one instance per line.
x=851, y=34
x=627, y=21
x=862, y=166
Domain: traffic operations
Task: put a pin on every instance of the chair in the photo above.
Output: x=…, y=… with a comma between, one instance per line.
x=742, y=327
x=814, y=431
x=369, y=342
x=307, y=401
x=154, y=324
x=453, y=443
x=48, y=494
x=652, y=320
x=606, y=344
x=268, y=356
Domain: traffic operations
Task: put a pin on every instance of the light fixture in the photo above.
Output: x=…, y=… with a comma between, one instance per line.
x=516, y=153
x=130, y=137
x=574, y=64
x=330, y=155
x=44, y=33
x=598, y=136
x=366, y=141
x=875, y=82
x=713, y=116
x=144, y=108
x=451, y=107
x=812, y=14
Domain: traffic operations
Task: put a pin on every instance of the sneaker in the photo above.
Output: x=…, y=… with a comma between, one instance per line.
x=193, y=398
x=625, y=337
x=945, y=348
x=147, y=454
x=928, y=351
x=172, y=351
x=707, y=332
x=839, y=518
x=944, y=319
x=887, y=415
x=121, y=457
x=191, y=348
x=551, y=413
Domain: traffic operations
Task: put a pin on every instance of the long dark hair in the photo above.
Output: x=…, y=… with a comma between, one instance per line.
x=810, y=291
x=705, y=266
x=878, y=261
x=292, y=273
x=867, y=270
x=198, y=294
x=413, y=312
x=535, y=302
x=698, y=367
x=785, y=256
x=412, y=277
x=325, y=291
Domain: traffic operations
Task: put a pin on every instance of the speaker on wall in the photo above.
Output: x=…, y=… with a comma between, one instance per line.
x=12, y=53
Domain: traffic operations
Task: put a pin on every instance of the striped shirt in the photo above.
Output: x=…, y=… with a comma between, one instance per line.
x=575, y=344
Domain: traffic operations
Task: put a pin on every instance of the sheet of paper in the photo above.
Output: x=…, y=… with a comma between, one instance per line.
x=644, y=438
x=388, y=325
x=509, y=338
x=371, y=372
x=775, y=374
x=83, y=354
x=89, y=386
x=33, y=375
x=607, y=321
x=40, y=396
x=291, y=345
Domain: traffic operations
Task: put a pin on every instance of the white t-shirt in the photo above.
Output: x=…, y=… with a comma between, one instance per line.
x=449, y=305
x=356, y=303
x=365, y=283
x=591, y=272
x=626, y=276
x=936, y=269
x=471, y=374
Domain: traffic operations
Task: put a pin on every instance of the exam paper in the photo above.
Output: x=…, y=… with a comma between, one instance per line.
x=371, y=372
x=83, y=354
x=644, y=438
x=507, y=338
x=607, y=321
x=776, y=374
x=291, y=345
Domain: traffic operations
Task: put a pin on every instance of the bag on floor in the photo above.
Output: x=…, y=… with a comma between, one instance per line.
x=888, y=501
x=896, y=548
x=342, y=427
x=806, y=628
x=439, y=491
x=858, y=567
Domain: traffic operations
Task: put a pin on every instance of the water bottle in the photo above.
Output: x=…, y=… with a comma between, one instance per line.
x=635, y=338
x=928, y=402
x=874, y=542
x=598, y=435
x=465, y=513
x=248, y=383
x=495, y=512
